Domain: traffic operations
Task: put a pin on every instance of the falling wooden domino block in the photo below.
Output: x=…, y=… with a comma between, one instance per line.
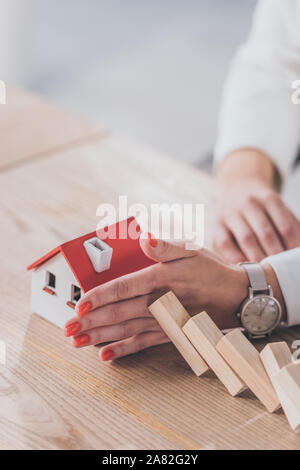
x=245, y=361
x=204, y=335
x=172, y=316
x=275, y=356
x=288, y=380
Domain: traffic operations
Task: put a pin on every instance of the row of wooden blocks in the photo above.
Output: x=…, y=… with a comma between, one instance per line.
x=271, y=375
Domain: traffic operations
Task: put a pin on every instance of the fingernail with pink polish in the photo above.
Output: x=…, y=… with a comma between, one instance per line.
x=72, y=329
x=84, y=308
x=152, y=240
x=81, y=340
x=107, y=355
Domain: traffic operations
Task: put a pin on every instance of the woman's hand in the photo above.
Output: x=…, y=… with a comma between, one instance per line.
x=251, y=220
x=117, y=312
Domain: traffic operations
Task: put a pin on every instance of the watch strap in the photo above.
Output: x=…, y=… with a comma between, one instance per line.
x=256, y=276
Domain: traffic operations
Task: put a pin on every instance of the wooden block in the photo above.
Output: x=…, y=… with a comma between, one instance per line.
x=172, y=316
x=205, y=335
x=245, y=361
x=288, y=384
x=275, y=356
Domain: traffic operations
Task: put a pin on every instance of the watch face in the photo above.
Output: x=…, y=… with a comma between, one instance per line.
x=261, y=314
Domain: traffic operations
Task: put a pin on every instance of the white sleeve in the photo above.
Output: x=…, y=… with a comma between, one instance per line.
x=287, y=269
x=257, y=109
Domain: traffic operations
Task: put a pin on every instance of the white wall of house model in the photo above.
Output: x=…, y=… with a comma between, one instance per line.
x=57, y=277
x=53, y=308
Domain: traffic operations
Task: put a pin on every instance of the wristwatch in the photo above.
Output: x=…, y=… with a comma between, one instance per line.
x=260, y=313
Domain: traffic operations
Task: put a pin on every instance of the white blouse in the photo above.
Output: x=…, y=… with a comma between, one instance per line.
x=287, y=269
x=259, y=111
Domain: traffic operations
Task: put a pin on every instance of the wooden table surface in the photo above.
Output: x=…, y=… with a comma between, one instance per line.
x=54, y=172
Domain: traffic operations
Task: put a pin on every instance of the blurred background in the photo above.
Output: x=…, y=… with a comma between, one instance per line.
x=151, y=69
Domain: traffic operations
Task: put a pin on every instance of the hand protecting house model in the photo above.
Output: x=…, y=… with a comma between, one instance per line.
x=61, y=276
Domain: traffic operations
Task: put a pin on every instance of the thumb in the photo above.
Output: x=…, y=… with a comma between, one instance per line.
x=163, y=251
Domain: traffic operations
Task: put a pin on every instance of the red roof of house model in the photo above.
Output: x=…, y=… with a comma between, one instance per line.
x=127, y=257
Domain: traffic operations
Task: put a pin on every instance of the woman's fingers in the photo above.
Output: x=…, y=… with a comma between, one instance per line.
x=111, y=314
x=140, y=283
x=286, y=223
x=226, y=245
x=132, y=345
x=263, y=228
x=245, y=238
x=164, y=251
x=117, y=332
x=132, y=285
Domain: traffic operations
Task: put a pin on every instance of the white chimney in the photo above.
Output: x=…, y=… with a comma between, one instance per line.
x=99, y=253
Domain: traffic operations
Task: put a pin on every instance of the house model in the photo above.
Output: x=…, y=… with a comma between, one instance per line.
x=64, y=274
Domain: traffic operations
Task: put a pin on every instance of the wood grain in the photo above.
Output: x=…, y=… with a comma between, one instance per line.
x=31, y=128
x=55, y=397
